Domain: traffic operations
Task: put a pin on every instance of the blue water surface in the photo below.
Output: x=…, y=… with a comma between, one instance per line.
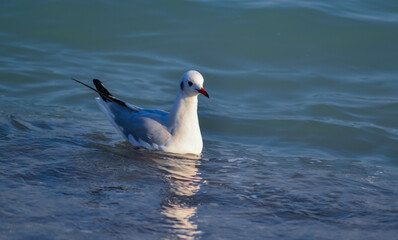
x=300, y=133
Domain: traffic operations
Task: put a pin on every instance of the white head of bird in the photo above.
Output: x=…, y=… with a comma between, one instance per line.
x=191, y=84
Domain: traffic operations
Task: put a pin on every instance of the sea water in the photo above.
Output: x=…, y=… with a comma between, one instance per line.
x=300, y=131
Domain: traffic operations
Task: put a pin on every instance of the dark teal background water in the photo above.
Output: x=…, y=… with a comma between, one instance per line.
x=300, y=132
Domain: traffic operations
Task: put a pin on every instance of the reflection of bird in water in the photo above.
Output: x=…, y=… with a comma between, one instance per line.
x=184, y=182
x=179, y=216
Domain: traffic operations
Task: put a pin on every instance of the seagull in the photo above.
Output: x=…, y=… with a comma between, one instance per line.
x=174, y=132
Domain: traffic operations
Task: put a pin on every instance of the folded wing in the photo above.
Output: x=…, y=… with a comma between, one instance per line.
x=143, y=128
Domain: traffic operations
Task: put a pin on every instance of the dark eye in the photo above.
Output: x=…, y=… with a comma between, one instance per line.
x=190, y=83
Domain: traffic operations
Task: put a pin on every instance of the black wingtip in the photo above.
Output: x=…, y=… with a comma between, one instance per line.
x=102, y=89
x=103, y=92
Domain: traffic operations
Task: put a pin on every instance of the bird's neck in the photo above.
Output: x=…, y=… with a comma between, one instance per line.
x=183, y=117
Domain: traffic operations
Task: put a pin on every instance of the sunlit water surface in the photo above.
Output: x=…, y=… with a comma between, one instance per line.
x=300, y=131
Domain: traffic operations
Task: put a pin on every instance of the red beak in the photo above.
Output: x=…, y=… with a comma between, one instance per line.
x=202, y=91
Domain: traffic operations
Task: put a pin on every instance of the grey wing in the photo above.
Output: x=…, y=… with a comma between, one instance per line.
x=140, y=126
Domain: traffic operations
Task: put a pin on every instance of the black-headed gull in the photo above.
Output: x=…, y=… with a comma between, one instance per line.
x=175, y=132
